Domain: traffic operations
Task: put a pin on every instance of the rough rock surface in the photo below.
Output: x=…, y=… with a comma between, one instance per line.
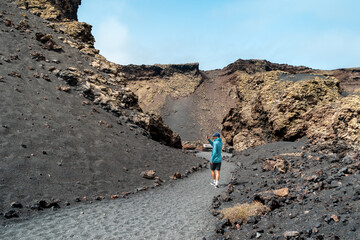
x=273, y=108
x=52, y=9
x=255, y=66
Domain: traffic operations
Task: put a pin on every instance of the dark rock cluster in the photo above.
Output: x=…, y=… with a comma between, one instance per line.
x=315, y=197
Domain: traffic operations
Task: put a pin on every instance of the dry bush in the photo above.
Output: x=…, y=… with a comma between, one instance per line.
x=244, y=211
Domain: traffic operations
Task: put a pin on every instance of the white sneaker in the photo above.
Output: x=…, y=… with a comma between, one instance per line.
x=212, y=183
x=216, y=185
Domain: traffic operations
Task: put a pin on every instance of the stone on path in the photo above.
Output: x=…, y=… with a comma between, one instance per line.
x=148, y=174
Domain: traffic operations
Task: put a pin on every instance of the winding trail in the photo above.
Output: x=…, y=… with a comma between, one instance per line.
x=177, y=210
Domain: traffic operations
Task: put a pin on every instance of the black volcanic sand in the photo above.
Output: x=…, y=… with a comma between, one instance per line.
x=56, y=145
x=322, y=182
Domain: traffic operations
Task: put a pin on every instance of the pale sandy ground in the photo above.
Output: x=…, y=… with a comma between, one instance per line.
x=178, y=210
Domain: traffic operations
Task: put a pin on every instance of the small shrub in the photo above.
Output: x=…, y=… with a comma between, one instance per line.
x=244, y=211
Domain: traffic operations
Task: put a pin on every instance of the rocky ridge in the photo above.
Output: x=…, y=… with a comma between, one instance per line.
x=278, y=105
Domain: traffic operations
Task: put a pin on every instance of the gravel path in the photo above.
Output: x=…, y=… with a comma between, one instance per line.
x=178, y=210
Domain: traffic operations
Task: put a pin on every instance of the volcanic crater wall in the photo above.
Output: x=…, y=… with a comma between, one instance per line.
x=282, y=102
x=251, y=102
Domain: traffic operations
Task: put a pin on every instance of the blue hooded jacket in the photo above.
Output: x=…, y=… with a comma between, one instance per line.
x=216, y=151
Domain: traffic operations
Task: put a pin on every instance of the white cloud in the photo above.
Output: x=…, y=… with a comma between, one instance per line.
x=113, y=40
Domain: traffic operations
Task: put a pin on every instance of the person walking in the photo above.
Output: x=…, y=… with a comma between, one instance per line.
x=215, y=161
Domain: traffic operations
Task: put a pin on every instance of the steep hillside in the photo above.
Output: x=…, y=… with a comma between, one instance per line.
x=69, y=131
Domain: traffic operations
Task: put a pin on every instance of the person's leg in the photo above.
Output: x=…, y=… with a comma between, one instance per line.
x=217, y=177
x=213, y=175
x=217, y=173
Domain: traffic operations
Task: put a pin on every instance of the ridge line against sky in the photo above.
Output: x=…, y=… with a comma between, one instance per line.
x=321, y=34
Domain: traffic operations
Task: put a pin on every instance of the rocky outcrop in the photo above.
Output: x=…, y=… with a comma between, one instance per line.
x=62, y=17
x=148, y=72
x=283, y=102
x=273, y=109
x=255, y=66
x=52, y=10
x=156, y=83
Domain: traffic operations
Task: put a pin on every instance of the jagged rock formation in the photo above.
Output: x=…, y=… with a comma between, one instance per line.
x=272, y=109
x=281, y=102
x=52, y=10
x=255, y=66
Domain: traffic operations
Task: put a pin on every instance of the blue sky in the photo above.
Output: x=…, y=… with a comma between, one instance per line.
x=323, y=34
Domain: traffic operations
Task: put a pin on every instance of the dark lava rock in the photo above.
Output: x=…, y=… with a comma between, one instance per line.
x=253, y=219
x=48, y=41
x=11, y=214
x=16, y=205
x=221, y=224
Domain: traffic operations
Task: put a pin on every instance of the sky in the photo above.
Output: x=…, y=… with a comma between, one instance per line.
x=321, y=34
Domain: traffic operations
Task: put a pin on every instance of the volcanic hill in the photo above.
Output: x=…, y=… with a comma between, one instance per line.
x=71, y=130
x=75, y=127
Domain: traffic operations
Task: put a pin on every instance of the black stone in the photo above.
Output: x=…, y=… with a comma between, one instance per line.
x=11, y=214
x=16, y=205
x=253, y=220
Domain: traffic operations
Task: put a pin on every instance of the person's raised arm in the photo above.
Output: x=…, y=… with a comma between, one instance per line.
x=211, y=142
